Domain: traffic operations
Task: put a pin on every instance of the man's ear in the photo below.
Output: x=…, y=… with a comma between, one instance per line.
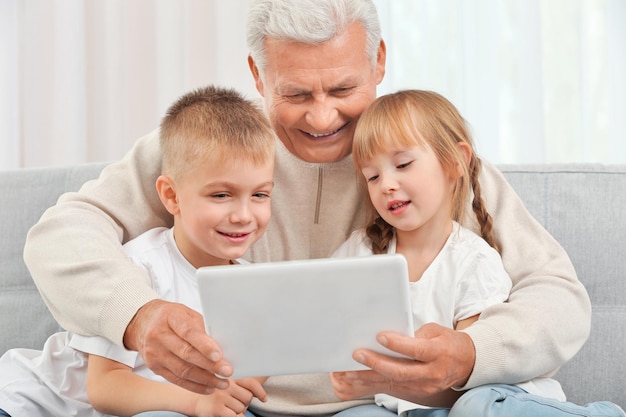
x=381, y=59
x=257, y=75
x=167, y=193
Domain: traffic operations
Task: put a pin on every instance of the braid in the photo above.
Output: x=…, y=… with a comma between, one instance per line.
x=380, y=233
x=478, y=205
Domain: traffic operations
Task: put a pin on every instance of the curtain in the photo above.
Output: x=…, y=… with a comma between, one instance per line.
x=538, y=81
x=82, y=80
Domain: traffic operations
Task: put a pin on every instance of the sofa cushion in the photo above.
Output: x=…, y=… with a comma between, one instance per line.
x=580, y=204
x=583, y=207
x=26, y=193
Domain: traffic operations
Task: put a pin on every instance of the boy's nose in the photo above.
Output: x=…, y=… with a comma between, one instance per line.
x=241, y=215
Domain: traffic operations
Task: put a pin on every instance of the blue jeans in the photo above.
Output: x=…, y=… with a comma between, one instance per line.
x=369, y=410
x=3, y=413
x=172, y=414
x=499, y=400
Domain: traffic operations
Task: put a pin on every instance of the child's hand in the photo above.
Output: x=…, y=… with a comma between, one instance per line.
x=357, y=384
x=232, y=401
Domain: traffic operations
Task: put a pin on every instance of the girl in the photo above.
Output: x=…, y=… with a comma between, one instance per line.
x=420, y=169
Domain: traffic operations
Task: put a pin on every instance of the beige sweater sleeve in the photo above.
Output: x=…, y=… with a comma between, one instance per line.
x=74, y=252
x=548, y=316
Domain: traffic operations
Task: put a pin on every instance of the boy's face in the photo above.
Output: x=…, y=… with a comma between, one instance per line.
x=221, y=210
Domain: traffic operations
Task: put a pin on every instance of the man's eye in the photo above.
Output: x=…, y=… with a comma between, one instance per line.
x=297, y=98
x=343, y=91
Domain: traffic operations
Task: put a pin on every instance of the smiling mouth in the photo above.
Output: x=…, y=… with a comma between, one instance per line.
x=323, y=135
x=397, y=205
x=234, y=234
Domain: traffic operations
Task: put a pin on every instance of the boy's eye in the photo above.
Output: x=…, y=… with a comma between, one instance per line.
x=219, y=195
x=261, y=195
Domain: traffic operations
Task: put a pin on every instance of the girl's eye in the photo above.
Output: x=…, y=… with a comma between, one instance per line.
x=219, y=195
x=404, y=165
x=261, y=195
x=372, y=178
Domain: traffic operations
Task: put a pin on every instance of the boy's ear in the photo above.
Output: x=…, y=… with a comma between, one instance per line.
x=167, y=193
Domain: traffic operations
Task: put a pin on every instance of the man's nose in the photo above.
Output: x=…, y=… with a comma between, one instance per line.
x=321, y=115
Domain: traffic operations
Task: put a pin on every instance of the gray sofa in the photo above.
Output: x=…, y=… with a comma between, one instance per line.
x=583, y=206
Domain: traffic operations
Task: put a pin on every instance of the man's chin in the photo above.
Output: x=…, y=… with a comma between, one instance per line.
x=324, y=158
x=321, y=154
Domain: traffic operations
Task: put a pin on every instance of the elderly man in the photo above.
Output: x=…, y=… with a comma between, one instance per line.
x=317, y=65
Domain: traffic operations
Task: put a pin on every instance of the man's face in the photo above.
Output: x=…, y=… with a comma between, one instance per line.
x=314, y=94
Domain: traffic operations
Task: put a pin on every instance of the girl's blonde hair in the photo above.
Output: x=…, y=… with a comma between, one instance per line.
x=416, y=117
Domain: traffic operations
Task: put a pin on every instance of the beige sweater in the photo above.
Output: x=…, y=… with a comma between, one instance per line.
x=74, y=254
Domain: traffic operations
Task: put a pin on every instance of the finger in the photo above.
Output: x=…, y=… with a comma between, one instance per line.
x=206, y=386
x=195, y=346
x=237, y=406
x=416, y=347
x=161, y=360
x=254, y=387
x=388, y=366
x=164, y=327
x=347, y=388
x=368, y=376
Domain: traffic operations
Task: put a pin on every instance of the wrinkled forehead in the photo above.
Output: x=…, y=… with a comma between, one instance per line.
x=345, y=52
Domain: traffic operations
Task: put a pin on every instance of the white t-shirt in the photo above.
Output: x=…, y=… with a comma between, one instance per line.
x=51, y=382
x=466, y=277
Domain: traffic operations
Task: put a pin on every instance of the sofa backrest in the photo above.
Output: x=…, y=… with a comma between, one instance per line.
x=584, y=207
x=26, y=193
x=581, y=205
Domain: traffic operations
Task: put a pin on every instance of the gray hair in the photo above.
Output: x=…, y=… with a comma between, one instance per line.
x=309, y=21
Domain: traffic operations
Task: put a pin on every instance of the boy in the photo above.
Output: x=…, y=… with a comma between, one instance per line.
x=217, y=178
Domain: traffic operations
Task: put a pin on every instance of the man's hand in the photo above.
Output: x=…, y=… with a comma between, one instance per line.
x=441, y=358
x=173, y=343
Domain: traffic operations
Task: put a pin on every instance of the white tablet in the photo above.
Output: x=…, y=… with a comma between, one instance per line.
x=307, y=316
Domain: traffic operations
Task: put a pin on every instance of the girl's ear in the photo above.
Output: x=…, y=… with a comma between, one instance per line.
x=167, y=193
x=466, y=153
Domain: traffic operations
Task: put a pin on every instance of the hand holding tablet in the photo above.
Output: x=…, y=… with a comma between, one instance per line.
x=306, y=316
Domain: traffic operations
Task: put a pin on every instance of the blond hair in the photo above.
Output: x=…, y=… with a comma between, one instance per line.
x=416, y=117
x=213, y=122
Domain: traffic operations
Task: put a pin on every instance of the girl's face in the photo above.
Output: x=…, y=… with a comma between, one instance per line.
x=410, y=189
